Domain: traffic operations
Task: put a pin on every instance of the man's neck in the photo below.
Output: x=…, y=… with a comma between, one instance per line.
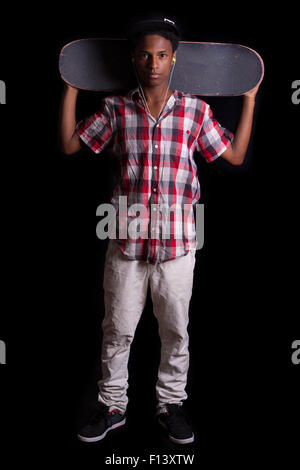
x=157, y=94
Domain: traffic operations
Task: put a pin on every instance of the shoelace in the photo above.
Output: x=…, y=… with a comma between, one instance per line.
x=103, y=413
x=114, y=412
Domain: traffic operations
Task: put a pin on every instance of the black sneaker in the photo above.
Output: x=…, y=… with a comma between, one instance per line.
x=99, y=425
x=176, y=424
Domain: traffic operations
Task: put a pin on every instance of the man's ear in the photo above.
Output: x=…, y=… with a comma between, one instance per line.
x=174, y=57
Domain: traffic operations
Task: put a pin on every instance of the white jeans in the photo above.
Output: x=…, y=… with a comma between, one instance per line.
x=125, y=292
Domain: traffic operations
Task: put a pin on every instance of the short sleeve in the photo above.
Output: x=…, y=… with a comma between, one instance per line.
x=213, y=139
x=96, y=130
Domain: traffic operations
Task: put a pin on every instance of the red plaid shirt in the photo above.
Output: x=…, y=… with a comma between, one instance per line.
x=158, y=174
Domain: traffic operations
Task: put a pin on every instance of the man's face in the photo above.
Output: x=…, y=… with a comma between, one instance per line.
x=153, y=58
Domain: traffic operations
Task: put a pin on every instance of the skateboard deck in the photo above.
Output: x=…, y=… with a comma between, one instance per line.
x=202, y=68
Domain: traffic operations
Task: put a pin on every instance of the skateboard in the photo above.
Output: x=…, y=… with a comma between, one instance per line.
x=202, y=68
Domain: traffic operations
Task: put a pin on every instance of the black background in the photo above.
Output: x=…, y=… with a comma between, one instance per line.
x=243, y=387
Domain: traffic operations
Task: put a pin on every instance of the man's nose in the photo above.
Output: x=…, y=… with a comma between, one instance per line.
x=153, y=62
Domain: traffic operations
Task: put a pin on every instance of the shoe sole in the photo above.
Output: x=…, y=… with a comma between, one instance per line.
x=99, y=438
x=188, y=440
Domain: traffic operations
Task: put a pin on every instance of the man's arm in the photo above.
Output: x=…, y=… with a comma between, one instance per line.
x=236, y=151
x=69, y=141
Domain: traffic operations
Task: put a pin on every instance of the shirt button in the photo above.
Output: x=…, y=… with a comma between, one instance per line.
x=154, y=189
x=155, y=168
x=156, y=146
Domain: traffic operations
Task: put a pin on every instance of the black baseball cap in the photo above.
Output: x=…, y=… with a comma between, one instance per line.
x=145, y=24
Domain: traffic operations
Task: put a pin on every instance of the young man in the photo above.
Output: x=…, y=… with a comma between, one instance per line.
x=153, y=132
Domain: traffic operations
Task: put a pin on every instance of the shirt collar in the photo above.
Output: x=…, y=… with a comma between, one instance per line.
x=135, y=95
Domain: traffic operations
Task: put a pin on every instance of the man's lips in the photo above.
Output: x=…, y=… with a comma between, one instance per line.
x=153, y=75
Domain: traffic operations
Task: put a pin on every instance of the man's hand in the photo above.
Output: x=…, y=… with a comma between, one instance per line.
x=67, y=86
x=252, y=93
